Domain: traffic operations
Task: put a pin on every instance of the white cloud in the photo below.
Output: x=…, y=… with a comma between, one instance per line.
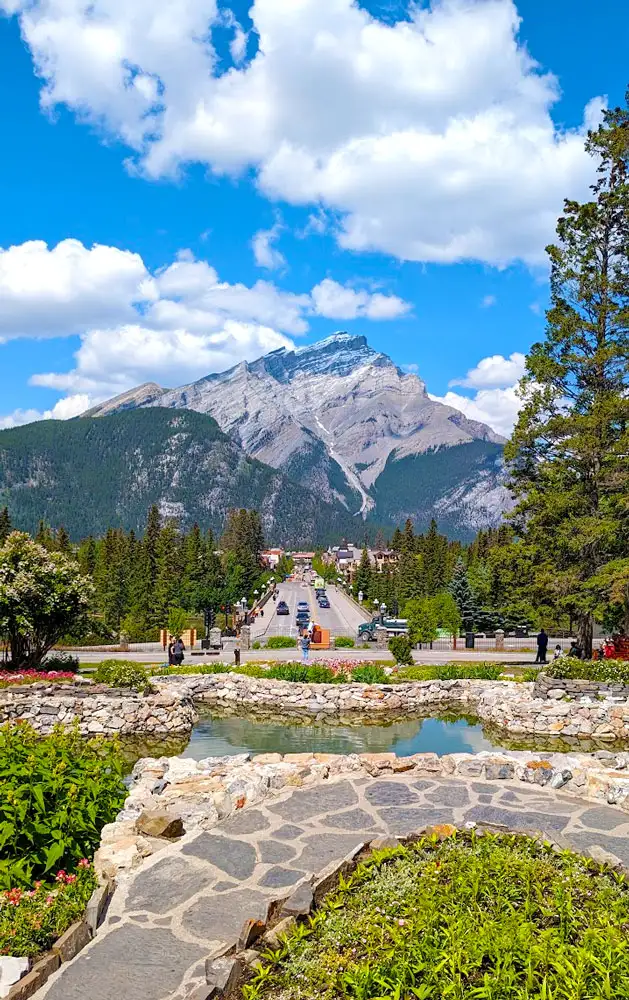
x=265, y=254
x=431, y=139
x=488, y=301
x=412, y=368
x=494, y=372
x=64, y=409
x=172, y=326
x=56, y=292
x=335, y=301
x=496, y=401
x=497, y=407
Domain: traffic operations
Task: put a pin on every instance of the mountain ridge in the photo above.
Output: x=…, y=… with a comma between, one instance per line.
x=332, y=415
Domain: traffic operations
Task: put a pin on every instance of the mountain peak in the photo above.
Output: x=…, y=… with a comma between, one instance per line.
x=339, y=355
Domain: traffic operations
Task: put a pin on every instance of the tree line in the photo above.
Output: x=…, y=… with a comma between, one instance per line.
x=138, y=581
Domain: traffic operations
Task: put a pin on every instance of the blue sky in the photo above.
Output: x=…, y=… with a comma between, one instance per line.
x=404, y=165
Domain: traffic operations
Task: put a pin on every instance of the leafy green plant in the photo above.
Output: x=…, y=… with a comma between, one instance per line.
x=177, y=621
x=218, y=667
x=402, y=649
x=31, y=920
x=369, y=673
x=344, y=642
x=256, y=645
x=122, y=674
x=281, y=642
x=61, y=661
x=301, y=673
x=477, y=671
x=251, y=670
x=501, y=917
x=56, y=794
x=607, y=671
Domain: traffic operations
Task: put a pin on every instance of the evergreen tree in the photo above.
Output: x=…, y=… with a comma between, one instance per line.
x=168, y=580
x=434, y=548
x=410, y=577
x=408, y=537
x=569, y=449
x=5, y=525
x=45, y=536
x=110, y=578
x=87, y=556
x=363, y=577
x=462, y=594
x=62, y=541
x=380, y=542
x=397, y=540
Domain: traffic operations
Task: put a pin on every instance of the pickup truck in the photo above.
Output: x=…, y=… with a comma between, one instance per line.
x=394, y=626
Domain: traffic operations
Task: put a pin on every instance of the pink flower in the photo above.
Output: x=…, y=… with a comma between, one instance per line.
x=83, y=863
x=70, y=879
x=60, y=876
x=49, y=900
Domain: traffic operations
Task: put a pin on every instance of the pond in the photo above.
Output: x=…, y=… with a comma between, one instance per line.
x=222, y=732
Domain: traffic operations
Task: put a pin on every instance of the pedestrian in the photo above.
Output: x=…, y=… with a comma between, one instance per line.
x=558, y=652
x=171, y=653
x=542, y=646
x=305, y=646
x=261, y=612
x=178, y=651
x=575, y=650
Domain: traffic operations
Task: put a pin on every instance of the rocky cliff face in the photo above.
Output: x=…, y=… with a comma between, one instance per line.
x=335, y=415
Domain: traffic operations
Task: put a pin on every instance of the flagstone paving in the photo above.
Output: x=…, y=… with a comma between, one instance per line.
x=189, y=901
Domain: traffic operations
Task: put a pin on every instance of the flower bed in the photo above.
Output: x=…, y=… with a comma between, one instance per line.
x=10, y=678
x=32, y=919
x=571, y=668
x=497, y=917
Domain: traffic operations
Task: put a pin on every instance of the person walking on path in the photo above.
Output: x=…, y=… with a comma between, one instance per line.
x=171, y=653
x=542, y=646
x=305, y=646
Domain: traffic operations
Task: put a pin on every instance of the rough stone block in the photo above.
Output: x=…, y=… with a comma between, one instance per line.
x=160, y=823
x=97, y=904
x=72, y=942
x=35, y=979
x=251, y=930
x=272, y=937
x=560, y=778
x=384, y=843
x=222, y=973
x=299, y=904
x=498, y=770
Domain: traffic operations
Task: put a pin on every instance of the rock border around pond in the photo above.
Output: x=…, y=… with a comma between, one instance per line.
x=506, y=704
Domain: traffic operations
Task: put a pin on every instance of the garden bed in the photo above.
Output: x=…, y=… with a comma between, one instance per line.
x=473, y=916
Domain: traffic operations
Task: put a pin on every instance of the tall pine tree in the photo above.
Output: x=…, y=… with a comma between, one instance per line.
x=570, y=446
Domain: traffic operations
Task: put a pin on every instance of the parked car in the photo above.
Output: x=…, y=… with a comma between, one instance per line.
x=282, y=608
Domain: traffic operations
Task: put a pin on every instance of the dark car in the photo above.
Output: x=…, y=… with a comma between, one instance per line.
x=282, y=608
x=323, y=602
x=302, y=617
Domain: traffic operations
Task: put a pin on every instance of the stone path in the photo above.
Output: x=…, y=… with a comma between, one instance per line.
x=193, y=897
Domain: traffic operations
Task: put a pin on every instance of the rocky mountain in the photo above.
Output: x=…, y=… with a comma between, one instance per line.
x=349, y=425
x=92, y=474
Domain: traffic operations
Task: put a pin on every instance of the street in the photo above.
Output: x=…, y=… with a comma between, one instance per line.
x=341, y=618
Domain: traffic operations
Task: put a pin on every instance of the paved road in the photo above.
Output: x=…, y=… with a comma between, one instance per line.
x=341, y=618
x=192, y=899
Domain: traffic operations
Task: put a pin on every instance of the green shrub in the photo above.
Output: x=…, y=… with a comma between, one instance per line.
x=530, y=674
x=30, y=922
x=608, y=671
x=344, y=642
x=300, y=673
x=281, y=642
x=194, y=668
x=122, y=674
x=417, y=673
x=478, y=671
x=251, y=670
x=177, y=621
x=56, y=794
x=402, y=649
x=491, y=918
x=369, y=674
x=60, y=661
x=256, y=645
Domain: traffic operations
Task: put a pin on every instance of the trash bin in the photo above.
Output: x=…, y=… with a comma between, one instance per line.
x=469, y=640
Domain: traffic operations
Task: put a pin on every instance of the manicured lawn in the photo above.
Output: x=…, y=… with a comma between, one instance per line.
x=472, y=918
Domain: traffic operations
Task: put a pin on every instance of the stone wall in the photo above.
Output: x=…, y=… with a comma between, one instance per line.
x=98, y=711
x=505, y=704
x=559, y=687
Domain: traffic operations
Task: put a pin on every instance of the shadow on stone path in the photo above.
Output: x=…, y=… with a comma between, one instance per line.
x=192, y=899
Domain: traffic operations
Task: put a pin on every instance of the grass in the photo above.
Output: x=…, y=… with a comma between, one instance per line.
x=497, y=917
